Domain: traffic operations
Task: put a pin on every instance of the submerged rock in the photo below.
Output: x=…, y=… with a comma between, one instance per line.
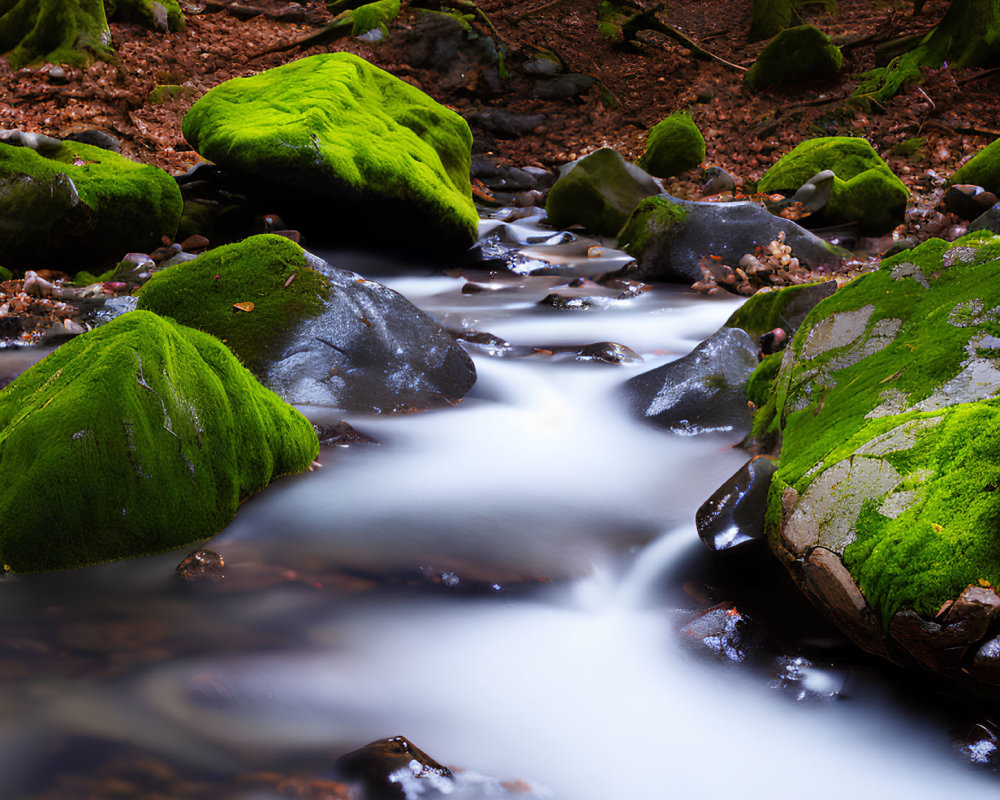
x=313, y=333
x=159, y=432
x=703, y=392
x=865, y=191
x=885, y=502
x=343, y=151
x=76, y=206
x=669, y=237
x=734, y=515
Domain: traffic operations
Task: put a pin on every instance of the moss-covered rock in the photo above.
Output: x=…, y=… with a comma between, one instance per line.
x=374, y=16
x=313, y=333
x=983, y=169
x=803, y=54
x=885, y=504
x=72, y=205
x=865, y=190
x=674, y=145
x=769, y=17
x=156, y=434
x=342, y=150
x=599, y=192
x=783, y=308
x=238, y=293
x=668, y=237
x=165, y=15
x=58, y=31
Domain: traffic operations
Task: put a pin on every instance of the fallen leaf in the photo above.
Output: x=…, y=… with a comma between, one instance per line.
x=243, y=306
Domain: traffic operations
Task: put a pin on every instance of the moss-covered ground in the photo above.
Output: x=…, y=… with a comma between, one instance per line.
x=247, y=294
x=153, y=433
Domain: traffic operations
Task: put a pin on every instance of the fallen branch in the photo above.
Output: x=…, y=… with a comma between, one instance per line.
x=239, y=10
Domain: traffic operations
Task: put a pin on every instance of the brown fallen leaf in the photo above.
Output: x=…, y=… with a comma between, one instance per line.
x=243, y=306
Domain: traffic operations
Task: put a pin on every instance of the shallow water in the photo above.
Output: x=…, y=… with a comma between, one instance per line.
x=501, y=582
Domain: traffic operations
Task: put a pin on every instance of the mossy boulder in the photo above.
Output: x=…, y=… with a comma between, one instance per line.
x=155, y=434
x=983, y=169
x=58, y=31
x=885, y=504
x=784, y=308
x=865, y=190
x=71, y=205
x=342, y=150
x=374, y=16
x=668, y=237
x=164, y=15
x=803, y=54
x=599, y=192
x=313, y=333
x=674, y=145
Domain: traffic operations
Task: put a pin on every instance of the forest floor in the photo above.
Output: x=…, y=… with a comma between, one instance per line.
x=942, y=122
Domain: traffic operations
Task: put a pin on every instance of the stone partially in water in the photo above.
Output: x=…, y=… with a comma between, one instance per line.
x=734, y=515
x=161, y=433
x=726, y=632
x=386, y=766
x=703, y=392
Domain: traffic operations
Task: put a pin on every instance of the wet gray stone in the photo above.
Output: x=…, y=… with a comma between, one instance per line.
x=734, y=515
x=703, y=392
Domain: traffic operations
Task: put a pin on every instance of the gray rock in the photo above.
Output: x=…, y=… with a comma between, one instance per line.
x=670, y=246
x=726, y=632
x=704, y=392
x=370, y=350
x=734, y=515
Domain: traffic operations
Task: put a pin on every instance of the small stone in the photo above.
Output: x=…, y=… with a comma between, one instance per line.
x=734, y=515
x=968, y=201
x=387, y=765
x=202, y=565
x=809, y=682
x=726, y=632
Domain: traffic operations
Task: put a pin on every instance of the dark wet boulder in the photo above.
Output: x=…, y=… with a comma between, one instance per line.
x=669, y=237
x=313, y=333
x=342, y=151
x=599, y=192
x=885, y=501
x=674, y=145
x=803, y=54
x=77, y=206
x=734, y=515
x=389, y=768
x=865, y=190
x=159, y=434
x=703, y=392
x=968, y=201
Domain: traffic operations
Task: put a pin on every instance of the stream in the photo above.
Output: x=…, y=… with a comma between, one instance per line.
x=503, y=582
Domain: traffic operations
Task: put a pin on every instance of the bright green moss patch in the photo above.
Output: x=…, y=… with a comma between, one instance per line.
x=983, y=169
x=372, y=16
x=347, y=142
x=652, y=215
x=247, y=294
x=760, y=387
x=674, y=145
x=900, y=367
x=796, y=55
x=865, y=190
x=157, y=433
x=79, y=205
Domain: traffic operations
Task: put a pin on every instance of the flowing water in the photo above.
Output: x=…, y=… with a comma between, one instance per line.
x=501, y=582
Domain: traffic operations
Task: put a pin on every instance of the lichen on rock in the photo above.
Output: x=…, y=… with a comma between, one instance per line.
x=156, y=434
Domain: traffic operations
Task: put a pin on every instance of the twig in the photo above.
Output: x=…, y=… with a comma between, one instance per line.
x=535, y=10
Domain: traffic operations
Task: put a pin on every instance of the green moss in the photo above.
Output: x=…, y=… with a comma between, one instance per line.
x=378, y=15
x=157, y=434
x=796, y=55
x=58, y=31
x=983, y=169
x=81, y=206
x=674, y=145
x=783, y=308
x=599, y=193
x=202, y=293
x=335, y=126
x=652, y=215
x=770, y=17
x=865, y=190
x=760, y=387
x=929, y=303
x=167, y=92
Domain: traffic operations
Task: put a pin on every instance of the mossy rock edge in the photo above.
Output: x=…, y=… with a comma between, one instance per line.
x=156, y=434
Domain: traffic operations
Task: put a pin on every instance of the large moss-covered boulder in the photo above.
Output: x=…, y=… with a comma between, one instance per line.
x=983, y=169
x=153, y=434
x=71, y=205
x=342, y=150
x=599, y=192
x=674, y=145
x=669, y=237
x=803, y=54
x=313, y=333
x=865, y=190
x=885, y=506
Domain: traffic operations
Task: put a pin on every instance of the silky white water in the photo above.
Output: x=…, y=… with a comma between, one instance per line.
x=580, y=687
